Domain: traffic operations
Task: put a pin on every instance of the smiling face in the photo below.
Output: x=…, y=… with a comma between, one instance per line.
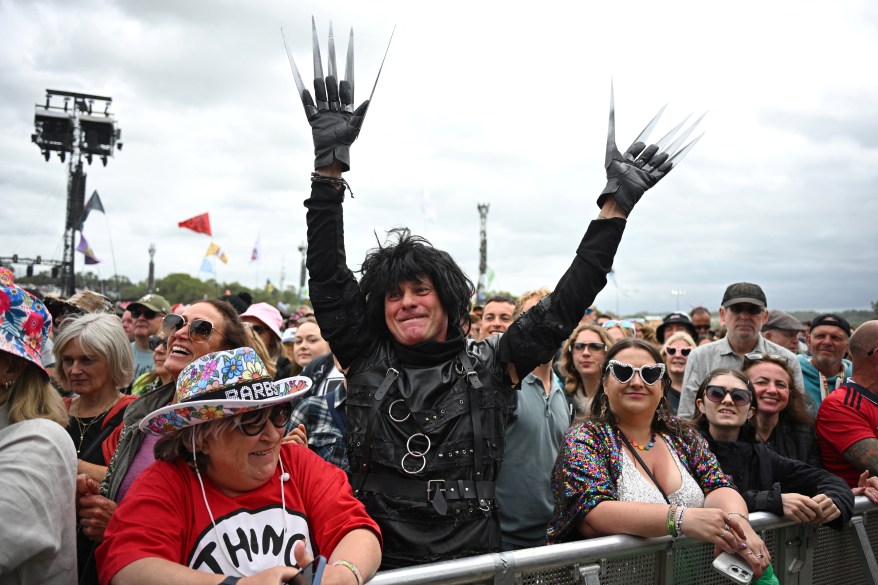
x=182, y=350
x=87, y=374
x=828, y=345
x=725, y=414
x=587, y=361
x=159, y=355
x=676, y=363
x=240, y=463
x=414, y=314
x=772, y=386
x=497, y=318
x=308, y=343
x=632, y=399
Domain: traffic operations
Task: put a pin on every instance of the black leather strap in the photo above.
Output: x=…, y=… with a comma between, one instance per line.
x=230, y=580
x=478, y=437
x=389, y=379
x=420, y=489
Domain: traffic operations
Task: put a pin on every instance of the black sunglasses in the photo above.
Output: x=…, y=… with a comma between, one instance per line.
x=258, y=329
x=745, y=308
x=200, y=330
x=137, y=313
x=624, y=373
x=253, y=422
x=683, y=351
x=155, y=342
x=593, y=347
x=740, y=397
x=702, y=327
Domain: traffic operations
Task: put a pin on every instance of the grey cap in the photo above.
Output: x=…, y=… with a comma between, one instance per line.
x=783, y=321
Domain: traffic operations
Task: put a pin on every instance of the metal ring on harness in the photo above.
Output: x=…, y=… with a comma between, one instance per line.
x=408, y=446
x=419, y=470
x=390, y=412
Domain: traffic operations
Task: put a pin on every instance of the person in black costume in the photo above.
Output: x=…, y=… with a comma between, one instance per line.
x=768, y=482
x=427, y=407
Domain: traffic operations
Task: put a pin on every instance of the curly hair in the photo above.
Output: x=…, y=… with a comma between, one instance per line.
x=409, y=258
x=796, y=410
x=663, y=422
x=572, y=381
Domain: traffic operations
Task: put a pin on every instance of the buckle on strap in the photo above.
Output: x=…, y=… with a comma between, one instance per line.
x=473, y=378
x=436, y=498
x=438, y=488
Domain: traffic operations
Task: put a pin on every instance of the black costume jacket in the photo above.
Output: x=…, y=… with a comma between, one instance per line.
x=761, y=476
x=426, y=423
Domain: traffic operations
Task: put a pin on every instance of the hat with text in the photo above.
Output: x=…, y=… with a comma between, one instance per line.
x=783, y=321
x=831, y=319
x=222, y=384
x=744, y=292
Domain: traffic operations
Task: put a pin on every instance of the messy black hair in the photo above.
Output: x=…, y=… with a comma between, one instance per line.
x=407, y=257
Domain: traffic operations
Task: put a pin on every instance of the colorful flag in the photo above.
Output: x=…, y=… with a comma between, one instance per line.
x=199, y=223
x=214, y=250
x=86, y=250
x=206, y=266
x=94, y=204
x=257, y=252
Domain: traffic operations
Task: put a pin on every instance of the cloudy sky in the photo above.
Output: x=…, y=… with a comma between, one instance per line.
x=478, y=103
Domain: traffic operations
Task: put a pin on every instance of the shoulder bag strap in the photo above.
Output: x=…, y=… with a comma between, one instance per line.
x=645, y=468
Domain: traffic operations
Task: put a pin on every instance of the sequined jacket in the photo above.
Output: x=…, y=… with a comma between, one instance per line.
x=590, y=464
x=422, y=428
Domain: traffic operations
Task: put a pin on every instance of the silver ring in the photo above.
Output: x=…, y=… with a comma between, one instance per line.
x=408, y=445
x=723, y=533
x=390, y=412
x=419, y=470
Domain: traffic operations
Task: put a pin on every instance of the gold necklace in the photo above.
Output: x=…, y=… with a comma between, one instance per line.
x=84, y=429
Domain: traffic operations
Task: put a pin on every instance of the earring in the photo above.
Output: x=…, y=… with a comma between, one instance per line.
x=661, y=413
x=605, y=405
x=7, y=384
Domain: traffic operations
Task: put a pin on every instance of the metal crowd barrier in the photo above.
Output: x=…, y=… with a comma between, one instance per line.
x=800, y=555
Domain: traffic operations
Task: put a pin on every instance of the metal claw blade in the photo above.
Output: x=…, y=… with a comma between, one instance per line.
x=349, y=64
x=299, y=85
x=680, y=139
x=670, y=135
x=612, y=149
x=644, y=134
x=677, y=158
x=318, y=62
x=387, y=50
x=332, y=68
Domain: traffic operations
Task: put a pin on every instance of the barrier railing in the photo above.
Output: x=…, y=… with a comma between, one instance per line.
x=800, y=555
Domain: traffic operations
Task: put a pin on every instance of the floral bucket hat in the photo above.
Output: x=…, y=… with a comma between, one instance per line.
x=24, y=321
x=222, y=384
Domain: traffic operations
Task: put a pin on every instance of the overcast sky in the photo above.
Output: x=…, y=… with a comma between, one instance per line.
x=478, y=102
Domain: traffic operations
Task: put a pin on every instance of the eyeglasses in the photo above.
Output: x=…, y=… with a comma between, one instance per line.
x=622, y=323
x=685, y=351
x=137, y=313
x=746, y=308
x=624, y=373
x=757, y=356
x=702, y=327
x=155, y=342
x=258, y=329
x=740, y=397
x=200, y=330
x=252, y=423
x=593, y=347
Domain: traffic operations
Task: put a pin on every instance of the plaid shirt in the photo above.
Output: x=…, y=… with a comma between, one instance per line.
x=324, y=436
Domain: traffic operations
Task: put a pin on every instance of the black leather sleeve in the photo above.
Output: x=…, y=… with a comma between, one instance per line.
x=535, y=336
x=339, y=305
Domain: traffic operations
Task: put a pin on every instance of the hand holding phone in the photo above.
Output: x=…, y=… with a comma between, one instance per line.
x=310, y=574
x=733, y=566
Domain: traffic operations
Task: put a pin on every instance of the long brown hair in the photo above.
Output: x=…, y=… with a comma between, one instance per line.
x=572, y=381
x=796, y=410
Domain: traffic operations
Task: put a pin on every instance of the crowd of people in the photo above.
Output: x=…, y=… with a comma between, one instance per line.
x=396, y=424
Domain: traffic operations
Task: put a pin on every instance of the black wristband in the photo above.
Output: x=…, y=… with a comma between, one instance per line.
x=230, y=580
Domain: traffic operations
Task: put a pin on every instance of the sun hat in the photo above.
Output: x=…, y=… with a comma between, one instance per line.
x=678, y=318
x=24, y=321
x=221, y=384
x=289, y=335
x=267, y=314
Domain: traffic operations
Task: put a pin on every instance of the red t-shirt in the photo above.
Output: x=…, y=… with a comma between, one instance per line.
x=845, y=417
x=164, y=515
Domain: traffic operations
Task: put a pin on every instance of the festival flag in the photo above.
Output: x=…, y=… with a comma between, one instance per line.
x=199, y=223
x=214, y=250
x=206, y=266
x=94, y=204
x=86, y=250
x=270, y=288
x=257, y=249
x=490, y=274
x=427, y=208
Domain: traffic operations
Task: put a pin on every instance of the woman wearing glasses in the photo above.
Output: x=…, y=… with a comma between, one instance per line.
x=635, y=469
x=675, y=351
x=768, y=482
x=618, y=330
x=581, y=358
x=204, y=327
x=159, y=376
x=782, y=421
x=227, y=498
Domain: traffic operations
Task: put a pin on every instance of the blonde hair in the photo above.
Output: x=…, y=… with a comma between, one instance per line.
x=572, y=381
x=33, y=396
x=254, y=341
x=102, y=335
x=525, y=297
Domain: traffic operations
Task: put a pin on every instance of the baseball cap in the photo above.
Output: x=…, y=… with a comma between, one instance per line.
x=834, y=320
x=744, y=292
x=155, y=303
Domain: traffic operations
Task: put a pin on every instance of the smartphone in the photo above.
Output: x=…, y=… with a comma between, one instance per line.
x=733, y=566
x=310, y=574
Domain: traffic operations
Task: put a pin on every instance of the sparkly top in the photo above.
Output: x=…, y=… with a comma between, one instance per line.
x=590, y=465
x=635, y=487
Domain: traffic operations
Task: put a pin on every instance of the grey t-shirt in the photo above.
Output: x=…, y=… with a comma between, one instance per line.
x=143, y=361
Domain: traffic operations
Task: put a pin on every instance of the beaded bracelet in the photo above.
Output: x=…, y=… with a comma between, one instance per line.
x=315, y=178
x=672, y=520
x=353, y=569
x=679, y=526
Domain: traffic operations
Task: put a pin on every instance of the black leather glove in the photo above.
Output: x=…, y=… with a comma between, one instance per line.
x=629, y=175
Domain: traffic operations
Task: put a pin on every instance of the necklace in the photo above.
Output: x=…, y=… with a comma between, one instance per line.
x=644, y=447
x=83, y=429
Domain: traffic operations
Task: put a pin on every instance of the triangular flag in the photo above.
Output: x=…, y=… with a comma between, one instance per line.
x=206, y=266
x=254, y=255
x=214, y=250
x=199, y=223
x=86, y=250
x=94, y=204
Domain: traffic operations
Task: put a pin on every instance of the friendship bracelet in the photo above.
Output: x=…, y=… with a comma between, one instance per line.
x=332, y=181
x=672, y=520
x=353, y=569
x=730, y=514
x=679, y=526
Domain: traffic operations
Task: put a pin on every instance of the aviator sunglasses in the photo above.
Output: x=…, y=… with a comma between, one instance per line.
x=593, y=347
x=200, y=330
x=155, y=342
x=624, y=373
x=740, y=397
x=253, y=422
x=683, y=351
